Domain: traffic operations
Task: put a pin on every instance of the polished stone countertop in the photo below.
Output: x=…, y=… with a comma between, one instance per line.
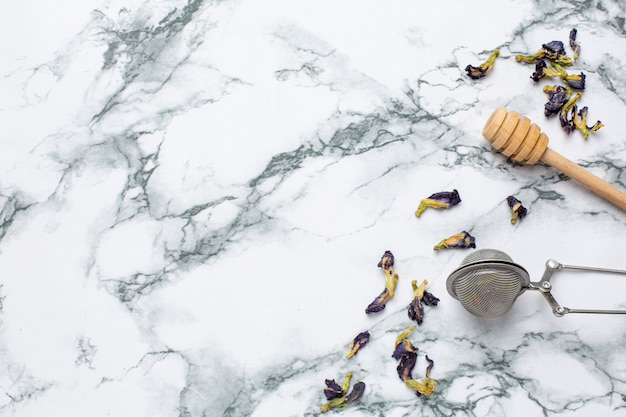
x=195, y=197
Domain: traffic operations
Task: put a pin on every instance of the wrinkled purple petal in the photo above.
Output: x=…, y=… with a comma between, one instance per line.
x=356, y=393
x=406, y=365
x=451, y=198
x=539, y=74
x=386, y=261
x=379, y=303
x=403, y=348
x=556, y=100
x=333, y=390
x=576, y=81
x=416, y=310
x=554, y=49
x=429, y=299
x=358, y=342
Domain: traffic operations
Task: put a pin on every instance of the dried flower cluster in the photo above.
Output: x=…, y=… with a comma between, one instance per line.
x=406, y=353
x=337, y=396
x=391, y=280
x=549, y=62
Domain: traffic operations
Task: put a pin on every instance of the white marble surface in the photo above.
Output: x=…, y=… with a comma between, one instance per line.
x=194, y=197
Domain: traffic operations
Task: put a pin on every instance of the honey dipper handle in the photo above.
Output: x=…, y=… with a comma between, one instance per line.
x=589, y=180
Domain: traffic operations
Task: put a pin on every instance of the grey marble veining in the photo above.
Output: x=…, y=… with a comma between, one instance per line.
x=194, y=197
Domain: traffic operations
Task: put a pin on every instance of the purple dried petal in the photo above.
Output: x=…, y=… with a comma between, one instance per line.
x=461, y=240
x=556, y=100
x=518, y=211
x=403, y=348
x=356, y=393
x=359, y=341
x=386, y=261
x=416, y=310
x=333, y=390
x=539, y=74
x=576, y=81
x=379, y=303
x=554, y=49
x=406, y=365
x=451, y=198
x=429, y=299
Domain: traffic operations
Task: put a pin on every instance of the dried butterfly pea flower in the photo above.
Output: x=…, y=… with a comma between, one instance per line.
x=518, y=211
x=426, y=386
x=567, y=121
x=554, y=51
x=576, y=81
x=391, y=280
x=403, y=345
x=461, y=240
x=333, y=390
x=483, y=69
x=420, y=297
x=443, y=199
x=557, y=97
x=573, y=44
x=407, y=363
x=359, y=341
x=356, y=393
x=336, y=394
x=580, y=121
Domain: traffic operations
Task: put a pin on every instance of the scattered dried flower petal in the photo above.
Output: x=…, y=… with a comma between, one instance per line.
x=554, y=51
x=443, y=199
x=391, y=280
x=427, y=385
x=420, y=297
x=580, y=121
x=336, y=394
x=359, y=341
x=333, y=390
x=405, y=367
x=557, y=97
x=483, y=69
x=573, y=44
x=356, y=393
x=518, y=211
x=567, y=122
x=461, y=240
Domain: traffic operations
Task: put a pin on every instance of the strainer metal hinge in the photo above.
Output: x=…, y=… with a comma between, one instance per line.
x=545, y=287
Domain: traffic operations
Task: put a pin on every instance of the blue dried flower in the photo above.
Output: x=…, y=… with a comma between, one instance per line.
x=483, y=69
x=406, y=365
x=391, y=280
x=553, y=49
x=573, y=44
x=420, y=297
x=386, y=261
x=359, y=341
x=575, y=81
x=517, y=209
x=443, y=199
x=557, y=97
x=333, y=390
x=580, y=121
x=461, y=240
x=356, y=393
x=539, y=70
x=336, y=394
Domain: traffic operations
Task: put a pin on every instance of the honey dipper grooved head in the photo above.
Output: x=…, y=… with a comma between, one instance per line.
x=515, y=136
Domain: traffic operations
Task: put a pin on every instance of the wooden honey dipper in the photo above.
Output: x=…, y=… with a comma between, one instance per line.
x=523, y=141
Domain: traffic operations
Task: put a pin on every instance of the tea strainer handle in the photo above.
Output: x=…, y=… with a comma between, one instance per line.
x=545, y=287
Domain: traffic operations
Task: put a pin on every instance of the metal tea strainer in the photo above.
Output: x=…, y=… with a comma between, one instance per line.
x=488, y=282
